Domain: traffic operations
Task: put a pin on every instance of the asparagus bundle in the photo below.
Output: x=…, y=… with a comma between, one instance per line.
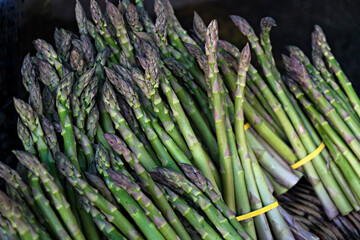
x=330, y=114
x=135, y=129
x=334, y=181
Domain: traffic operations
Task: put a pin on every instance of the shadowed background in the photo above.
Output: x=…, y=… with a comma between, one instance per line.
x=22, y=21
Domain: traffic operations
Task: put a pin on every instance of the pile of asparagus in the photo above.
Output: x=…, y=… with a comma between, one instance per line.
x=136, y=129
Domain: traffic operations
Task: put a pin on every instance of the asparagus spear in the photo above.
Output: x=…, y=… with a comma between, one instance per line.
x=31, y=120
x=99, y=219
x=278, y=225
x=132, y=188
x=179, y=70
x=85, y=143
x=77, y=61
x=121, y=32
x=320, y=40
x=276, y=167
x=195, y=219
x=204, y=131
x=196, y=177
x=50, y=134
x=34, y=198
x=133, y=100
x=58, y=199
x=147, y=182
x=125, y=199
x=113, y=109
x=14, y=180
x=178, y=182
x=328, y=110
x=266, y=24
x=245, y=204
x=10, y=210
x=103, y=28
x=100, y=185
x=226, y=170
x=27, y=72
x=342, y=146
x=64, y=111
x=25, y=137
x=328, y=77
x=151, y=82
x=201, y=159
x=49, y=54
x=44, y=206
x=83, y=188
x=257, y=187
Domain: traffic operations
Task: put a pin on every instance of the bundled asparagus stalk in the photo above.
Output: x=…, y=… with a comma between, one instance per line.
x=136, y=130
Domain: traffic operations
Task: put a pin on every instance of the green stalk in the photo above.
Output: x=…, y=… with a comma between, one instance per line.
x=201, y=159
x=31, y=120
x=226, y=170
x=64, y=111
x=195, y=116
x=179, y=70
x=303, y=145
x=337, y=140
x=278, y=225
x=153, y=189
x=252, y=86
x=133, y=100
x=205, y=230
x=254, y=102
x=111, y=212
x=130, y=205
x=153, y=79
x=120, y=124
x=175, y=180
x=328, y=77
x=282, y=174
x=102, y=27
x=270, y=137
x=146, y=203
x=320, y=40
x=99, y=219
x=242, y=203
x=252, y=191
x=203, y=184
x=58, y=199
x=121, y=32
x=178, y=155
x=44, y=206
x=9, y=209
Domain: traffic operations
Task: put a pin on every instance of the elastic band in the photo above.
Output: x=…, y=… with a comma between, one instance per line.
x=246, y=126
x=309, y=157
x=257, y=212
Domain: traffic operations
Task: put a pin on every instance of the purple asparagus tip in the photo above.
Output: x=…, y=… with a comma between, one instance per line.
x=267, y=23
x=242, y=25
x=245, y=55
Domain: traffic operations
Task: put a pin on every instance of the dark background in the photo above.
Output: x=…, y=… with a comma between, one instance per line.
x=22, y=21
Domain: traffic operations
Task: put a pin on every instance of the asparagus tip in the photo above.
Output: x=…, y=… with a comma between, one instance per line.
x=242, y=25
x=267, y=23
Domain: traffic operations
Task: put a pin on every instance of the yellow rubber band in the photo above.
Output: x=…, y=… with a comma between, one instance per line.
x=246, y=126
x=257, y=212
x=309, y=157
